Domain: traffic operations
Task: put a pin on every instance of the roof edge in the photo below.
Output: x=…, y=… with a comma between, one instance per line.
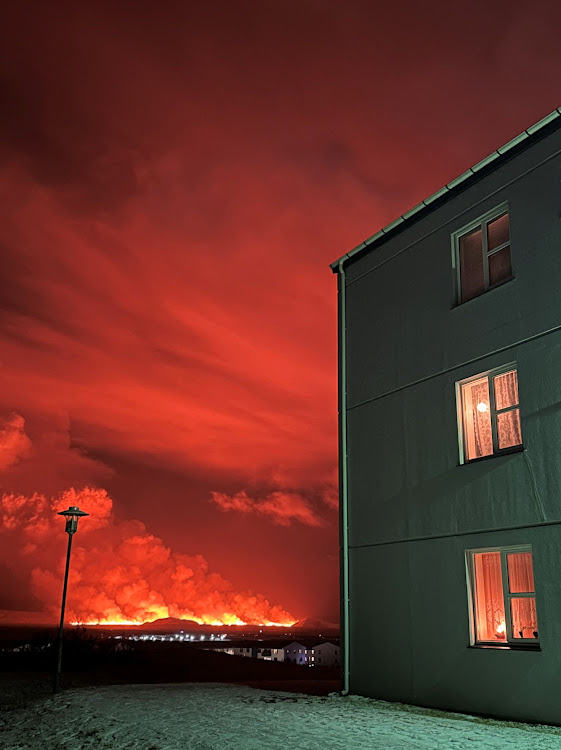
x=448, y=187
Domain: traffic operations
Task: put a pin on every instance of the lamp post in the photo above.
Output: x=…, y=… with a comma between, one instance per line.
x=72, y=515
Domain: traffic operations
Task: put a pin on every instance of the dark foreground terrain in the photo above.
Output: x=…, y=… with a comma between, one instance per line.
x=91, y=661
x=122, y=695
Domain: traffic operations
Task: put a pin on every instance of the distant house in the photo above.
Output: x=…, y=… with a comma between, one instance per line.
x=273, y=652
x=450, y=440
x=270, y=653
x=295, y=652
x=323, y=655
x=248, y=651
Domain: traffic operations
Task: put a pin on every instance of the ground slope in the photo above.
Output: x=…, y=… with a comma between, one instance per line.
x=230, y=717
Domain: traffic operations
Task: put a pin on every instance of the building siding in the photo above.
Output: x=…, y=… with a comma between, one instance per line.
x=413, y=509
x=413, y=623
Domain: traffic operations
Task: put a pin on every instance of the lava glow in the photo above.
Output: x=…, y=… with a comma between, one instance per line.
x=228, y=621
x=120, y=573
x=104, y=621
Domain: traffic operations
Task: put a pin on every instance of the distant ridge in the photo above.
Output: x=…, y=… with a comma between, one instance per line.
x=314, y=624
x=169, y=623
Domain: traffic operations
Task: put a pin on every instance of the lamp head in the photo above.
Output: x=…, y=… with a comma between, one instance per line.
x=72, y=515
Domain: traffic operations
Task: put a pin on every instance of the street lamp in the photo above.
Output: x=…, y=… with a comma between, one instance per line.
x=72, y=515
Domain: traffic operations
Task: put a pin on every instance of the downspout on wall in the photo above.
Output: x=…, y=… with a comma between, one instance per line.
x=343, y=485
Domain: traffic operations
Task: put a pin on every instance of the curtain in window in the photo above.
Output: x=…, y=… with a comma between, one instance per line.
x=489, y=598
x=521, y=581
x=524, y=617
x=520, y=572
x=500, y=268
x=506, y=390
x=478, y=434
x=508, y=423
x=508, y=429
x=498, y=232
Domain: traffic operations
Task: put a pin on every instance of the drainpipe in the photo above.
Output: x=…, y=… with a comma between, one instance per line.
x=343, y=515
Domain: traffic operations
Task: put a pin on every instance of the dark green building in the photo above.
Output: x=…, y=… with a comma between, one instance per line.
x=450, y=443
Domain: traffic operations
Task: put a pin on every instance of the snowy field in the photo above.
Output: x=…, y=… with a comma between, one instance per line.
x=232, y=717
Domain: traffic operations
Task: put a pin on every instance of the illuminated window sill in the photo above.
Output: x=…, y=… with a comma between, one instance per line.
x=505, y=452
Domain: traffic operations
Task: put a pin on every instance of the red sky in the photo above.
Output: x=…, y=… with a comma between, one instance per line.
x=174, y=181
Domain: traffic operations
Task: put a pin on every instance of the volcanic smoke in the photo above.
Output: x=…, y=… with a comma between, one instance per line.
x=120, y=572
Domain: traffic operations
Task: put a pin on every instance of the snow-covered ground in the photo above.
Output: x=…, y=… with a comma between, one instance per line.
x=232, y=717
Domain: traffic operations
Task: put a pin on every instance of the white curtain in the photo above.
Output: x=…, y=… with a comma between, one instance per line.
x=477, y=418
x=489, y=597
x=521, y=581
x=506, y=390
x=508, y=423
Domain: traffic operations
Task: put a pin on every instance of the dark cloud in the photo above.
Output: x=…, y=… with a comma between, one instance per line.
x=174, y=180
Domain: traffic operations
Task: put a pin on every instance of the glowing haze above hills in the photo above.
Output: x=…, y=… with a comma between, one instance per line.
x=174, y=180
x=120, y=572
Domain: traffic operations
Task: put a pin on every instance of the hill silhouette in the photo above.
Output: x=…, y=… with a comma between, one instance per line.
x=170, y=623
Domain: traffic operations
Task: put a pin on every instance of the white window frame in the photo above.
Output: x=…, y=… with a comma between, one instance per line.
x=482, y=222
x=490, y=374
x=507, y=596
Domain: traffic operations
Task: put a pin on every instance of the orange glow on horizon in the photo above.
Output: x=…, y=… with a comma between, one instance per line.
x=121, y=574
x=228, y=621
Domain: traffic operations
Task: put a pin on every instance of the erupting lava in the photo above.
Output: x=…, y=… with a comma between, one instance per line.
x=120, y=573
x=228, y=621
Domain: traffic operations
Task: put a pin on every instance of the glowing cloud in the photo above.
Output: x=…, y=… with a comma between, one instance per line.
x=120, y=571
x=281, y=507
x=14, y=443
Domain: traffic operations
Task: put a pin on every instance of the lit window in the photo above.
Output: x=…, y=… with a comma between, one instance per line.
x=482, y=253
x=489, y=413
x=503, y=595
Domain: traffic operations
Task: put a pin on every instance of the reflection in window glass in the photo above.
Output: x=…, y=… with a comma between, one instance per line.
x=498, y=232
x=471, y=265
x=499, y=266
x=483, y=255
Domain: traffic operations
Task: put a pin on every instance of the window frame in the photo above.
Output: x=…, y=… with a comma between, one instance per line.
x=510, y=641
x=481, y=222
x=490, y=375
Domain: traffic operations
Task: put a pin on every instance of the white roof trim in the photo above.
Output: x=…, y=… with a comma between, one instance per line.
x=450, y=186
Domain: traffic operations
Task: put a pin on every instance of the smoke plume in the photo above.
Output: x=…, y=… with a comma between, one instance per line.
x=120, y=572
x=14, y=443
